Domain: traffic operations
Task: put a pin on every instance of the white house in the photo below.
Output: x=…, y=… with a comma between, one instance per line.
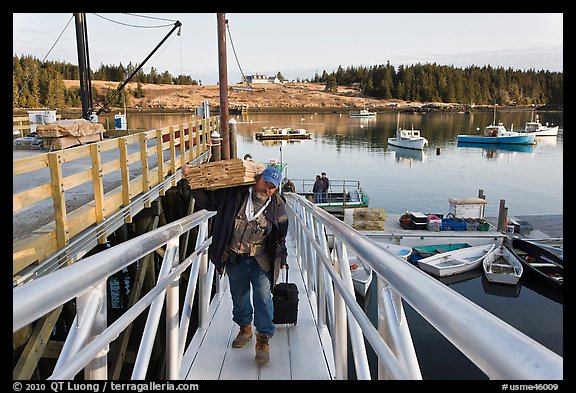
x=257, y=78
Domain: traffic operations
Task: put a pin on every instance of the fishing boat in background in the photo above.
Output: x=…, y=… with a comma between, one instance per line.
x=502, y=266
x=363, y=113
x=341, y=194
x=407, y=139
x=498, y=134
x=456, y=261
x=536, y=128
x=275, y=133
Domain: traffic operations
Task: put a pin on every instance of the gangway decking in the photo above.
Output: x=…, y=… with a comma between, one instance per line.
x=297, y=352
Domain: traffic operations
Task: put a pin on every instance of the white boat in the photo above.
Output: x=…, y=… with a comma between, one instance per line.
x=536, y=128
x=362, y=273
x=502, y=266
x=408, y=139
x=363, y=113
x=455, y=261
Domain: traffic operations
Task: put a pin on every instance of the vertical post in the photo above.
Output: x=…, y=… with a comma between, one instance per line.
x=160, y=154
x=502, y=217
x=182, y=146
x=223, y=80
x=55, y=164
x=216, y=146
x=97, y=369
x=144, y=160
x=233, y=131
x=172, y=154
x=192, y=136
x=98, y=187
x=341, y=332
x=124, y=169
x=172, y=322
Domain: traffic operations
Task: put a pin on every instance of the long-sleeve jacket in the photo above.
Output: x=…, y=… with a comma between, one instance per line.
x=226, y=202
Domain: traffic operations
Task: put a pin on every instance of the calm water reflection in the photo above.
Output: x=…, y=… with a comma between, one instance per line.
x=529, y=179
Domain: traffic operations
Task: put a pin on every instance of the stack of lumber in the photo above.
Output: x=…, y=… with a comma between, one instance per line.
x=71, y=132
x=369, y=219
x=223, y=174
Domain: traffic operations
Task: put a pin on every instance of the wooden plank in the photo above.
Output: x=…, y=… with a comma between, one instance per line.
x=111, y=166
x=35, y=347
x=107, y=144
x=29, y=197
x=182, y=146
x=29, y=164
x=124, y=169
x=172, y=154
x=77, y=179
x=75, y=153
x=98, y=188
x=58, y=199
x=144, y=161
x=160, y=154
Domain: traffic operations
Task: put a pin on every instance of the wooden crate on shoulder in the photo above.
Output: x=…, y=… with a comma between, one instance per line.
x=223, y=174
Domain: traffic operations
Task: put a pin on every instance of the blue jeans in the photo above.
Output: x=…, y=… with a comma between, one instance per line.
x=241, y=274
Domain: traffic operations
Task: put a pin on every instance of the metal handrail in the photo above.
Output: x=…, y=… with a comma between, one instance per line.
x=83, y=280
x=498, y=349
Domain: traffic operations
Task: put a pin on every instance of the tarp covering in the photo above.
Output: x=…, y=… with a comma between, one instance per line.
x=74, y=127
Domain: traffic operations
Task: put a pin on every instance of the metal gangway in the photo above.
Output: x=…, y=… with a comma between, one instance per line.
x=315, y=348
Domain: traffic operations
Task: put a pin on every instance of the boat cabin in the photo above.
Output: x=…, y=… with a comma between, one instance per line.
x=494, y=131
x=409, y=133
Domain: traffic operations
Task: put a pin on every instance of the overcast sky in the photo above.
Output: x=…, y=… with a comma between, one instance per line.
x=298, y=45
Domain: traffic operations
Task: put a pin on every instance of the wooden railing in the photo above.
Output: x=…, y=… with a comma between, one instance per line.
x=50, y=238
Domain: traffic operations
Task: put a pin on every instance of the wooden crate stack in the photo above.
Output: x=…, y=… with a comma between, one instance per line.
x=369, y=219
x=223, y=174
x=68, y=133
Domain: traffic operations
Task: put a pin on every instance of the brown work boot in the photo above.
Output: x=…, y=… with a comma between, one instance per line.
x=244, y=335
x=262, y=349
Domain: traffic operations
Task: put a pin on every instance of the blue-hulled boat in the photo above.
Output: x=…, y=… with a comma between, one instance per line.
x=498, y=134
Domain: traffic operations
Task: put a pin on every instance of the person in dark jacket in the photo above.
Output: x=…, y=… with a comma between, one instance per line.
x=249, y=244
x=325, y=187
x=317, y=189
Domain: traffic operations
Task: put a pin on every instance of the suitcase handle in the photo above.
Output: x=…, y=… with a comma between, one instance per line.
x=286, y=272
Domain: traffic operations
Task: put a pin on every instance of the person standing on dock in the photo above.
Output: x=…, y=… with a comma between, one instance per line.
x=289, y=186
x=325, y=186
x=317, y=189
x=249, y=243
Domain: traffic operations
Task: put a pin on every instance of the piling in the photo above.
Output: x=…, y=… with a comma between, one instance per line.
x=216, y=147
x=233, y=128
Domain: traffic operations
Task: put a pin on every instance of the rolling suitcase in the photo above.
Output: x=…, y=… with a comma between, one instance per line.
x=285, y=299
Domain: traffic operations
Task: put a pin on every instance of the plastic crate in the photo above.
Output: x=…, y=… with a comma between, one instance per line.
x=483, y=226
x=450, y=223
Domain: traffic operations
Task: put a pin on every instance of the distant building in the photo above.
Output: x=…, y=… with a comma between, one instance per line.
x=257, y=78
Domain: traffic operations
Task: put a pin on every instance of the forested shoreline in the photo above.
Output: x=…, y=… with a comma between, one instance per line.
x=39, y=84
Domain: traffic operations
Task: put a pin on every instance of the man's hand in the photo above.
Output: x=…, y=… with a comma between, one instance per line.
x=185, y=170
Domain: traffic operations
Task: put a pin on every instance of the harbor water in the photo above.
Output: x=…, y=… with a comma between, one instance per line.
x=528, y=178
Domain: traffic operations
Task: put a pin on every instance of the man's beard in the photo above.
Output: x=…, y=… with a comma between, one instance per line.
x=261, y=196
